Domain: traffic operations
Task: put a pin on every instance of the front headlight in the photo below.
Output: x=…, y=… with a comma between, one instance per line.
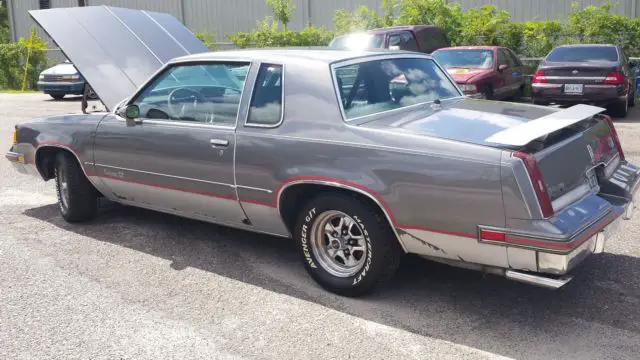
x=468, y=88
x=15, y=137
x=71, y=77
x=41, y=77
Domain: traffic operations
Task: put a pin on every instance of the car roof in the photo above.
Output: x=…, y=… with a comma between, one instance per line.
x=403, y=27
x=478, y=47
x=586, y=45
x=317, y=54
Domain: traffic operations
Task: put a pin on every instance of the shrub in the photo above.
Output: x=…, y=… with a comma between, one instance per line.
x=268, y=34
x=12, y=63
x=487, y=25
x=539, y=37
x=445, y=14
x=207, y=38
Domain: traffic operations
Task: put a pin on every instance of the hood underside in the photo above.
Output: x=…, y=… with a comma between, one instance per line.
x=116, y=49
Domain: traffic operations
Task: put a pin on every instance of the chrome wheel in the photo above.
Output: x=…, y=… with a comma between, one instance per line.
x=63, y=187
x=338, y=243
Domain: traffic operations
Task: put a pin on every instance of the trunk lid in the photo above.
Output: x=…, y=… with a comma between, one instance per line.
x=568, y=145
x=116, y=49
x=577, y=72
x=570, y=168
x=467, y=120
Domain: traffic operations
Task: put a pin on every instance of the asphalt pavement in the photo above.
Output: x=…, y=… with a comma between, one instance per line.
x=136, y=284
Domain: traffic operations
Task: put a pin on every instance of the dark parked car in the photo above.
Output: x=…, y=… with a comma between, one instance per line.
x=487, y=72
x=419, y=38
x=596, y=74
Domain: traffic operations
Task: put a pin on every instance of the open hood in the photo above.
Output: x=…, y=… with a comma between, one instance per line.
x=116, y=49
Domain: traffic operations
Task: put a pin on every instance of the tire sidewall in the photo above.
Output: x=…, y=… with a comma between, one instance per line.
x=61, y=162
x=369, y=273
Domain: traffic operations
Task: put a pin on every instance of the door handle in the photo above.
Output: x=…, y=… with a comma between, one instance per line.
x=219, y=142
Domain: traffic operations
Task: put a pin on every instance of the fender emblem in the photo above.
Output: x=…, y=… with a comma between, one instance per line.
x=114, y=174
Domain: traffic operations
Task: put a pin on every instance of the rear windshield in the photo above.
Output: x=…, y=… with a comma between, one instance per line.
x=358, y=41
x=477, y=59
x=583, y=54
x=381, y=85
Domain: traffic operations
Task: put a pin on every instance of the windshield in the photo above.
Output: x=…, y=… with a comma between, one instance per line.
x=458, y=58
x=583, y=54
x=358, y=41
x=381, y=85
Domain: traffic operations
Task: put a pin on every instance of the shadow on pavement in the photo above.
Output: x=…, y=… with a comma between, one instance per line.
x=464, y=307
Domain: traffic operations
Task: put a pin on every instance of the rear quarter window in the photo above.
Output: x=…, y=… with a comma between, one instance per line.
x=377, y=86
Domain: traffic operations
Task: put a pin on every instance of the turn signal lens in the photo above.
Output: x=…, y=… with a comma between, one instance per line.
x=489, y=235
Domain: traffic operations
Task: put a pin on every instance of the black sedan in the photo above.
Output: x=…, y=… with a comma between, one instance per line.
x=595, y=74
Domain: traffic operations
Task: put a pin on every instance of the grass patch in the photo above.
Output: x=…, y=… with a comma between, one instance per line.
x=9, y=91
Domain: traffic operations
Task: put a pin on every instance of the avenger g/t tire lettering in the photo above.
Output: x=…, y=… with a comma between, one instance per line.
x=77, y=198
x=347, y=246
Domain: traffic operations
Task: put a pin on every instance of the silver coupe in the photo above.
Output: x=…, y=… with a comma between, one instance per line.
x=360, y=157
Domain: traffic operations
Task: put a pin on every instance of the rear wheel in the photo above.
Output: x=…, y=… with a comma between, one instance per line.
x=77, y=198
x=347, y=246
x=57, y=96
x=620, y=108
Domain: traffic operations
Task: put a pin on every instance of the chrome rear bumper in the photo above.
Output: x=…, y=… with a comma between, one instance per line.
x=18, y=161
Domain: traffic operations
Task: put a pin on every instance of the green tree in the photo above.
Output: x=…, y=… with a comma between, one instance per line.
x=282, y=11
x=4, y=23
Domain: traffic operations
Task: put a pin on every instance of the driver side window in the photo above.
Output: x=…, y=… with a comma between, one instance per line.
x=204, y=93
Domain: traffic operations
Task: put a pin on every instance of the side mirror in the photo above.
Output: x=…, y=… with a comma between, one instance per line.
x=503, y=67
x=130, y=112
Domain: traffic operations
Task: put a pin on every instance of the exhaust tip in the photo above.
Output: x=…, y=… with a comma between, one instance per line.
x=538, y=280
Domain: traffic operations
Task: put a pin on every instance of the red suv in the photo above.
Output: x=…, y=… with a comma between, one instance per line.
x=487, y=72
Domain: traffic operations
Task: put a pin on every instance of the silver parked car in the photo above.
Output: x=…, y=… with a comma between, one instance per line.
x=314, y=145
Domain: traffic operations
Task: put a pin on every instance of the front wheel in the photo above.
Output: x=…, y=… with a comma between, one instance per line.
x=348, y=247
x=77, y=198
x=57, y=96
x=487, y=93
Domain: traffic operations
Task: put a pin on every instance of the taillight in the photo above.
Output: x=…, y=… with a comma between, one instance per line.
x=615, y=78
x=539, y=186
x=614, y=135
x=539, y=78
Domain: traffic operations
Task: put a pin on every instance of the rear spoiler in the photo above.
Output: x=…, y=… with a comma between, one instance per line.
x=523, y=134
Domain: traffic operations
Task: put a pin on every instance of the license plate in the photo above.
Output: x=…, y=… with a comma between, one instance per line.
x=593, y=179
x=574, y=89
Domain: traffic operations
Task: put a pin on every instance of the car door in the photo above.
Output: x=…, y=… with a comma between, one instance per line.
x=256, y=140
x=516, y=71
x=179, y=155
x=504, y=82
